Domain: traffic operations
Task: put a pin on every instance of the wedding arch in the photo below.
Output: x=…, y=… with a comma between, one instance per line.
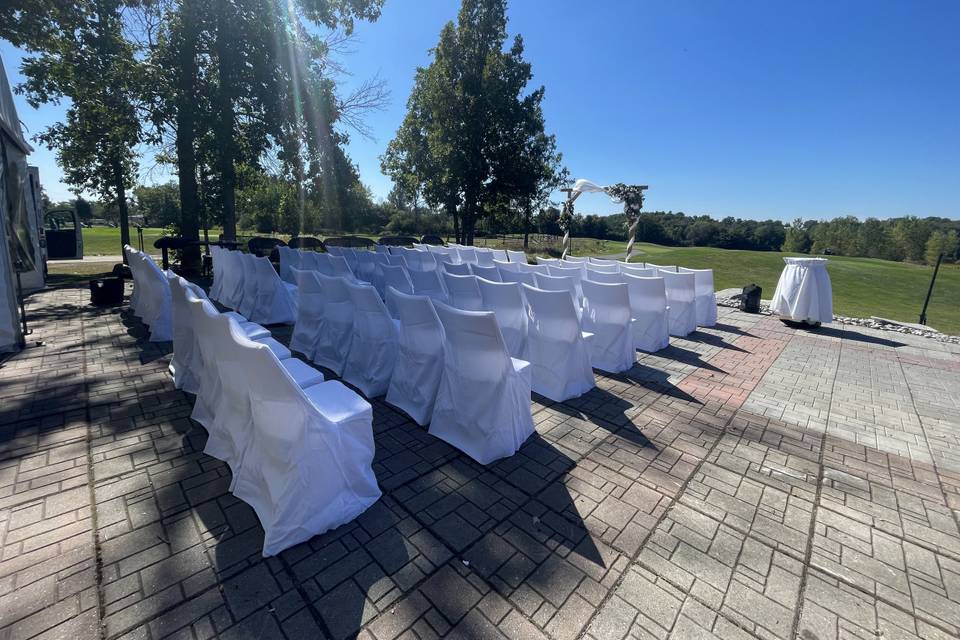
x=631, y=195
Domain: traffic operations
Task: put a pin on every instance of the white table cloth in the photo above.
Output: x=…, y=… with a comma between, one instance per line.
x=804, y=292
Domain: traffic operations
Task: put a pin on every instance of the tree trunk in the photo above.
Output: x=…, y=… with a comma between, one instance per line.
x=186, y=120
x=526, y=228
x=122, y=209
x=226, y=149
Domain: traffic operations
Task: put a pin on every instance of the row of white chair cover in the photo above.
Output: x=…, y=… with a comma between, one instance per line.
x=250, y=285
x=679, y=289
x=300, y=449
x=150, y=300
x=449, y=370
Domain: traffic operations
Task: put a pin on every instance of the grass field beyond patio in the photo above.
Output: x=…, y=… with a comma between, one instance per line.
x=862, y=287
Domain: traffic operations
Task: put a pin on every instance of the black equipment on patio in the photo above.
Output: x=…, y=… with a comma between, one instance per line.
x=750, y=298
x=106, y=291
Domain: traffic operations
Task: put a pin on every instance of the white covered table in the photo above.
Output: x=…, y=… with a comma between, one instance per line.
x=804, y=293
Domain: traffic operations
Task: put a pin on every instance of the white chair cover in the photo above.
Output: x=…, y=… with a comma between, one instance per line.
x=308, y=466
x=603, y=277
x=559, y=283
x=505, y=299
x=467, y=254
x=458, y=269
x=249, y=298
x=648, y=304
x=804, y=291
x=548, y=261
x=276, y=300
x=534, y=268
x=509, y=266
x=397, y=278
x=639, y=272
x=603, y=261
x=500, y=255
x=602, y=268
x=373, y=347
x=606, y=314
x=182, y=361
x=216, y=260
x=463, y=292
x=490, y=273
x=577, y=259
x=319, y=262
x=288, y=258
x=522, y=277
x=681, y=296
x=340, y=266
x=306, y=331
x=336, y=328
x=485, y=257
x=557, y=348
x=667, y=267
x=152, y=301
x=416, y=376
x=517, y=256
x=366, y=266
x=705, y=296
x=483, y=402
x=427, y=283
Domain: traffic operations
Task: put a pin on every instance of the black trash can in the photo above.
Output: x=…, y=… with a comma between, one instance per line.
x=106, y=291
x=750, y=298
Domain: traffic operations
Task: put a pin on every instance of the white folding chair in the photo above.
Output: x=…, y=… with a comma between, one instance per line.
x=288, y=258
x=607, y=315
x=427, y=283
x=217, y=261
x=534, y=268
x=639, y=272
x=681, y=298
x=463, y=292
x=557, y=348
x=484, y=257
x=517, y=256
x=601, y=268
x=397, y=278
x=705, y=296
x=366, y=266
x=521, y=277
x=458, y=269
x=499, y=254
x=373, y=347
x=467, y=254
x=508, y=266
x=559, y=283
x=603, y=261
x=336, y=329
x=505, y=299
x=603, y=277
x=306, y=331
x=416, y=376
x=249, y=298
x=308, y=465
x=275, y=300
x=648, y=304
x=182, y=361
x=664, y=267
x=340, y=267
x=483, y=402
x=570, y=272
x=548, y=261
x=490, y=273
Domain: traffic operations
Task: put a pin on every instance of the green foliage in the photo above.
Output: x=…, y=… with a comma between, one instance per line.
x=944, y=242
x=473, y=139
x=158, y=204
x=78, y=52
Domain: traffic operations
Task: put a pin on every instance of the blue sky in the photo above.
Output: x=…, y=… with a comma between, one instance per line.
x=752, y=109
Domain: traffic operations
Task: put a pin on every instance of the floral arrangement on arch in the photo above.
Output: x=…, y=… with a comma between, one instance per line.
x=565, y=221
x=631, y=195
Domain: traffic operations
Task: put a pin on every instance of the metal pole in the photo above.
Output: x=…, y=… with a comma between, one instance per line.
x=923, y=314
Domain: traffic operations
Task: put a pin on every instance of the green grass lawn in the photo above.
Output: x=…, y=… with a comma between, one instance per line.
x=862, y=287
x=105, y=241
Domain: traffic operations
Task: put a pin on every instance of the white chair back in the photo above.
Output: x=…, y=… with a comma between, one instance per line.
x=517, y=256
x=428, y=283
x=505, y=299
x=416, y=376
x=648, y=305
x=373, y=347
x=521, y=277
x=463, y=292
x=706, y=297
x=336, y=329
x=603, y=277
x=681, y=298
x=607, y=315
x=467, y=254
x=484, y=257
x=459, y=269
x=490, y=273
x=309, y=312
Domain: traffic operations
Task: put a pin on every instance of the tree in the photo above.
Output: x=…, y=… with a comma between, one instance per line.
x=472, y=137
x=797, y=238
x=944, y=242
x=79, y=53
x=911, y=235
x=158, y=204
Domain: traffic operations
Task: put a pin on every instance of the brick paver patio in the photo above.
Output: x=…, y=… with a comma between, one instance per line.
x=751, y=481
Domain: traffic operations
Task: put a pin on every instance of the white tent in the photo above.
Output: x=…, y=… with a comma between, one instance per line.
x=16, y=246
